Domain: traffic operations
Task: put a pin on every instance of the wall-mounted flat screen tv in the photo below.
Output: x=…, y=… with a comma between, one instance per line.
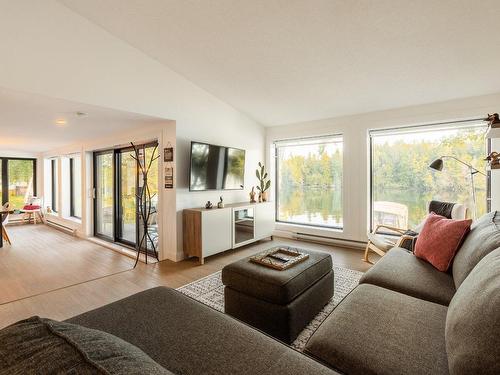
x=216, y=167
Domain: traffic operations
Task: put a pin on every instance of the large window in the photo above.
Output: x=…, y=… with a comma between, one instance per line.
x=309, y=181
x=54, y=184
x=402, y=184
x=18, y=180
x=75, y=186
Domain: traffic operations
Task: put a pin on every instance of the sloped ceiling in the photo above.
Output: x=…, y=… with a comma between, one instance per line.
x=285, y=61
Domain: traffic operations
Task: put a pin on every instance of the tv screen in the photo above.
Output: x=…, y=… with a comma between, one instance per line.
x=216, y=167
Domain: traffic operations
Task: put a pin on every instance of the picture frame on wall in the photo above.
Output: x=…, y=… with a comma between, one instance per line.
x=169, y=178
x=168, y=154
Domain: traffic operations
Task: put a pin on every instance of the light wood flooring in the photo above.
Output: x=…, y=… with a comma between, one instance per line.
x=42, y=259
x=55, y=270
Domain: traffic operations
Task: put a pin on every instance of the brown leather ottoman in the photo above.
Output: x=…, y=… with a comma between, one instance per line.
x=280, y=303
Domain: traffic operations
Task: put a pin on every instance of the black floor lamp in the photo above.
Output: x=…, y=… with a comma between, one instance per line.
x=438, y=166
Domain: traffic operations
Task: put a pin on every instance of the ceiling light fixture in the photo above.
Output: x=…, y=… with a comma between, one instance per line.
x=61, y=122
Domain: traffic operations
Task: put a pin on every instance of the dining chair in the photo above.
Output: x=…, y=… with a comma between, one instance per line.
x=33, y=209
x=5, y=221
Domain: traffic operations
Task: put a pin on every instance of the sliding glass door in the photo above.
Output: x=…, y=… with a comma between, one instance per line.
x=104, y=194
x=127, y=201
x=117, y=185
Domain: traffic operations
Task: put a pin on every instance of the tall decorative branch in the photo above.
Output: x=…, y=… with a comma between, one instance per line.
x=144, y=199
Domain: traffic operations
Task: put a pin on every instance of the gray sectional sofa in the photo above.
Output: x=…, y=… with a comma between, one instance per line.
x=406, y=317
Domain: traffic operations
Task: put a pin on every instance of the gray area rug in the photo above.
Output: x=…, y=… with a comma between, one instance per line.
x=210, y=291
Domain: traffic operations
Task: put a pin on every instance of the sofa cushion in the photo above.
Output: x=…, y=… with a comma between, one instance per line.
x=483, y=238
x=401, y=271
x=44, y=346
x=440, y=239
x=473, y=321
x=280, y=287
x=188, y=337
x=379, y=331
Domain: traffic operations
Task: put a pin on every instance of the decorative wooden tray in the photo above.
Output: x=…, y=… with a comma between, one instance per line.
x=280, y=258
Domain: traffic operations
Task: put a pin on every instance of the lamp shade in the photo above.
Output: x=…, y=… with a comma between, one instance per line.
x=437, y=164
x=493, y=132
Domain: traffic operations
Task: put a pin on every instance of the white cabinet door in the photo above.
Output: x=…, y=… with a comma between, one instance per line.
x=216, y=231
x=264, y=219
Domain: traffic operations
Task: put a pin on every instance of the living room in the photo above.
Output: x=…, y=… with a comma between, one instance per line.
x=300, y=158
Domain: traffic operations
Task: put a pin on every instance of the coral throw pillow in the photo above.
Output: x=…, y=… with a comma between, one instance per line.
x=439, y=240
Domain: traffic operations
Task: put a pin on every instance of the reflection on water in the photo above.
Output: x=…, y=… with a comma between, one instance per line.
x=322, y=206
x=311, y=205
x=417, y=202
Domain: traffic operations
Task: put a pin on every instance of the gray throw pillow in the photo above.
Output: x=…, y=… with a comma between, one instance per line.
x=484, y=237
x=473, y=321
x=44, y=346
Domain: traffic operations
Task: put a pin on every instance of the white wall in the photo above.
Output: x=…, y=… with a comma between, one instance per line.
x=356, y=158
x=58, y=53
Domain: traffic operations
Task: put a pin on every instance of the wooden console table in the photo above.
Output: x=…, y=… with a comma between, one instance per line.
x=210, y=231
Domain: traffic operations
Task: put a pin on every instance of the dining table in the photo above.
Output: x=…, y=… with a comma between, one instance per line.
x=3, y=212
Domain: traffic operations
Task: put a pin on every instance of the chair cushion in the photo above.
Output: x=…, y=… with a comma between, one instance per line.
x=381, y=241
x=440, y=239
x=484, y=237
x=188, y=337
x=280, y=287
x=379, y=331
x=441, y=208
x=473, y=321
x=31, y=207
x=401, y=271
x=44, y=346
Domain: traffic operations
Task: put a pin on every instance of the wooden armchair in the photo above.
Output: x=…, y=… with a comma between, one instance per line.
x=380, y=243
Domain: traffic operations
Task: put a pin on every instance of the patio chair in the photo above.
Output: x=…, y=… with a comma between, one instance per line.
x=380, y=242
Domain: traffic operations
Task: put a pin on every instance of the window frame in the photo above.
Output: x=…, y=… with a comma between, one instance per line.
x=276, y=185
x=434, y=126
x=5, y=176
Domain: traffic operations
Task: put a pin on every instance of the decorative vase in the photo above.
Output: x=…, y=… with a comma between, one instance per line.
x=252, y=195
x=264, y=196
x=260, y=197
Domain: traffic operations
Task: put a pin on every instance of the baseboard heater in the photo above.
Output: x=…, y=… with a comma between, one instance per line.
x=61, y=227
x=329, y=240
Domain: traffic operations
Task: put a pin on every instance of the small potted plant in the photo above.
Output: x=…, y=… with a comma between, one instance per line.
x=264, y=182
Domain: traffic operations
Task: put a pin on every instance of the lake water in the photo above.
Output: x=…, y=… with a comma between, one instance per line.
x=323, y=207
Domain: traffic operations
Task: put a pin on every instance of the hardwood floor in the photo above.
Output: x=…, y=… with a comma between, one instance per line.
x=42, y=259
x=66, y=302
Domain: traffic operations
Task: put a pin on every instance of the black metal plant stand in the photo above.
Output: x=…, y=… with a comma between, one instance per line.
x=144, y=199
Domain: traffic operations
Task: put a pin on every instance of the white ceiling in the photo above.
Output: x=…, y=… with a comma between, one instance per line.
x=283, y=61
x=28, y=122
